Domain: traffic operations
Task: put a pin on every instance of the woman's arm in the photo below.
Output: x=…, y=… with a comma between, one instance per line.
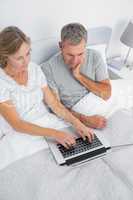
x=61, y=111
x=8, y=111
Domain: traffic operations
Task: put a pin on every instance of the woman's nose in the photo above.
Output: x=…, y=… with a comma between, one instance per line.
x=25, y=61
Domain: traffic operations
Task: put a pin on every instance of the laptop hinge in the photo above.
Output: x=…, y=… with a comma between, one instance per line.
x=86, y=156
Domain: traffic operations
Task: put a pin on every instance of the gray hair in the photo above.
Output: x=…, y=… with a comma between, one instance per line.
x=74, y=32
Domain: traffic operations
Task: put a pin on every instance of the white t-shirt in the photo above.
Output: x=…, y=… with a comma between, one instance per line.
x=28, y=100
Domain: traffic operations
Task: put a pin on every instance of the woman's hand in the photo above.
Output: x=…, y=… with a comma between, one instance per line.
x=64, y=113
x=65, y=139
x=85, y=131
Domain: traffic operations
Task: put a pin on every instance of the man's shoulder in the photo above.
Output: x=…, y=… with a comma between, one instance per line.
x=51, y=63
x=93, y=56
x=93, y=52
x=52, y=60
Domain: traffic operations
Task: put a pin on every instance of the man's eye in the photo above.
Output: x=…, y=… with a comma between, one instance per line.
x=70, y=56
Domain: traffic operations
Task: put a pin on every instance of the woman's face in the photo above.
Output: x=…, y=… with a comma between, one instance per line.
x=20, y=60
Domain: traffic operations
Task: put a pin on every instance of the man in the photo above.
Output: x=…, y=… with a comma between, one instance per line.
x=77, y=71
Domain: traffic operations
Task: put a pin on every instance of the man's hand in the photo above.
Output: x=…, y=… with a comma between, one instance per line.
x=76, y=71
x=100, y=88
x=95, y=121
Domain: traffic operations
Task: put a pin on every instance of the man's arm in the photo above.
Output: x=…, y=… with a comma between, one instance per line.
x=94, y=121
x=101, y=88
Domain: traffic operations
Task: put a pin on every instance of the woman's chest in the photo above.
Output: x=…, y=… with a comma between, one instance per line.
x=26, y=97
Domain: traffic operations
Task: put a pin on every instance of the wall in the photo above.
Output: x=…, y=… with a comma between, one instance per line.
x=44, y=18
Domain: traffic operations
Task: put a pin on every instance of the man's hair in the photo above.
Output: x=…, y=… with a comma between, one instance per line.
x=11, y=39
x=74, y=32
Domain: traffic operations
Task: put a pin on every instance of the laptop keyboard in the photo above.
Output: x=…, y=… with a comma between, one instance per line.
x=81, y=146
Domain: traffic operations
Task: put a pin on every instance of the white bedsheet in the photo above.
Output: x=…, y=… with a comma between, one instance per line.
x=17, y=146
x=107, y=178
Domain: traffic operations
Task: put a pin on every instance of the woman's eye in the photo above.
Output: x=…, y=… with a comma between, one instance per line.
x=29, y=53
x=20, y=58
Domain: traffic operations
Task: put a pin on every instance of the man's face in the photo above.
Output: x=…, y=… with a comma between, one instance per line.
x=73, y=55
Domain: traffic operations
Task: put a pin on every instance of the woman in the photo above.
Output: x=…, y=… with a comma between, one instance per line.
x=23, y=88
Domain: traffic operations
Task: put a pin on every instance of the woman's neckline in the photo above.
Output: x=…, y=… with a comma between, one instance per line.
x=10, y=77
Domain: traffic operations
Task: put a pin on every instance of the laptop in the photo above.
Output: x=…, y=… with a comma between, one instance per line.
x=82, y=152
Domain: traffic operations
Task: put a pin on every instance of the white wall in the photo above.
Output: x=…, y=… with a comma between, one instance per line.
x=44, y=18
x=48, y=16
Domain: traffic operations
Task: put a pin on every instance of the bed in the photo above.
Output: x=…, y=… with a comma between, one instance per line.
x=36, y=176
x=39, y=177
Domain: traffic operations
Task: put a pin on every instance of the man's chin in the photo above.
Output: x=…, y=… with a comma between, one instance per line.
x=72, y=67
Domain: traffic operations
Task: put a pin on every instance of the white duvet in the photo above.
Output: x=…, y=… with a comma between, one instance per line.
x=17, y=146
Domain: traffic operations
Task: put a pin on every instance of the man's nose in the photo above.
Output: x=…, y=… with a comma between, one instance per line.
x=75, y=59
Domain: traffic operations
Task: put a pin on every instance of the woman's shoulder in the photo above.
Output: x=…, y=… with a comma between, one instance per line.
x=34, y=66
x=33, y=69
x=36, y=73
x=5, y=81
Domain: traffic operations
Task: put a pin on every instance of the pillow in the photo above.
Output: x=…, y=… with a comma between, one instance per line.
x=101, y=48
x=1, y=132
x=43, y=49
x=1, y=135
x=121, y=98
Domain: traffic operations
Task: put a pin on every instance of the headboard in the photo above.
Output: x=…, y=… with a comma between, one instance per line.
x=44, y=48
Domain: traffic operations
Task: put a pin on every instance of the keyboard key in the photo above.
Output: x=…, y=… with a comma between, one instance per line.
x=81, y=146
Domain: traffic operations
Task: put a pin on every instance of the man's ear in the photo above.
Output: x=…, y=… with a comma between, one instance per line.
x=60, y=45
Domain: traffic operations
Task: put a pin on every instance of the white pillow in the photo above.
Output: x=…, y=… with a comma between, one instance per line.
x=121, y=98
x=101, y=48
x=1, y=135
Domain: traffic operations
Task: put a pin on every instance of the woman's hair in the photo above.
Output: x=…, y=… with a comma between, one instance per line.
x=11, y=39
